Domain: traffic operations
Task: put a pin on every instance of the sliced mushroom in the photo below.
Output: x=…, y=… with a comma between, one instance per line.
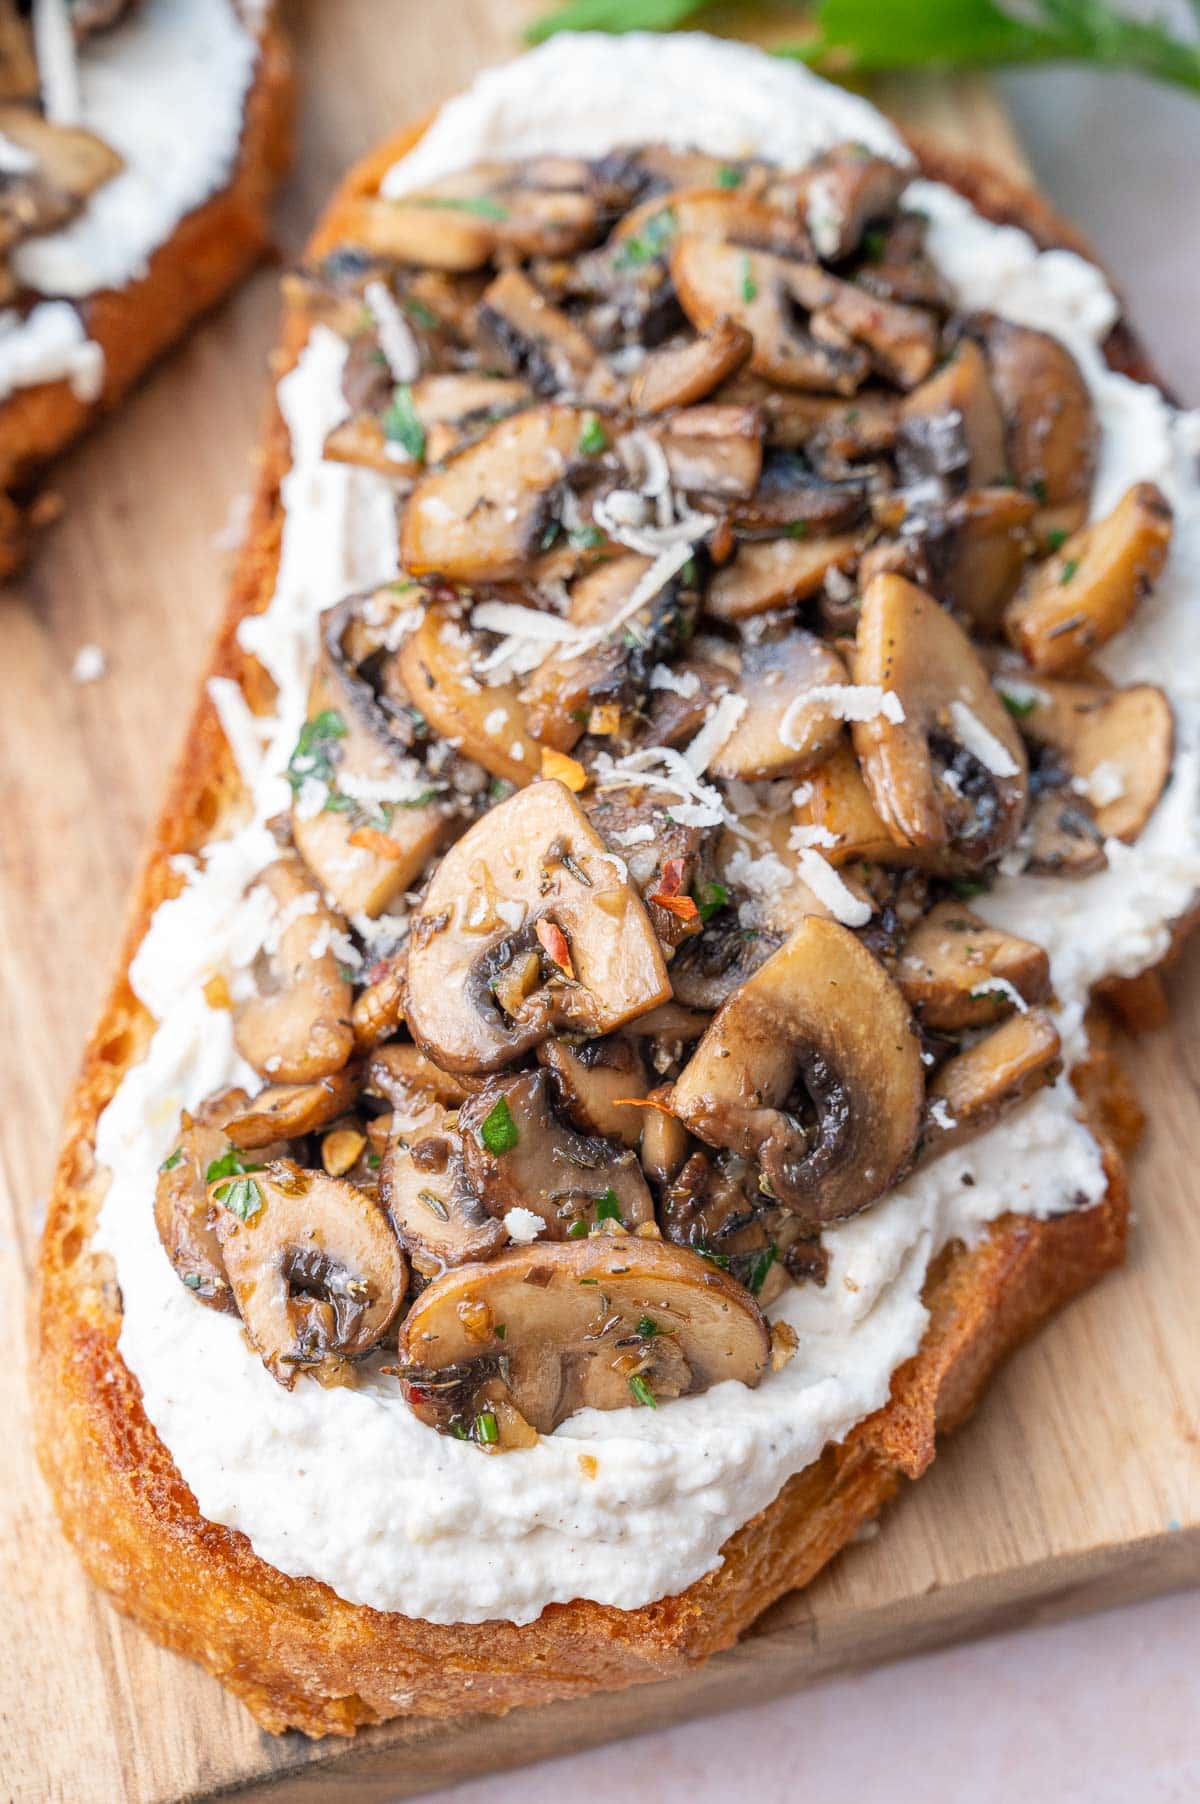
x=975, y=1087
x=18, y=64
x=1050, y=423
x=517, y=1154
x=715, y=449
x=950, y=777
x=182, y=1206
x=1103, y=759
x=813, y=1070
x=316, y=1270
x=678, y=375
x=770, y=573
x=437, y=1215
x=446, y=412
x=286, y=1111
x=531, y=876
x=951, y=426
x=378, y=1009
x=1079, y=598
x=531, y=338
x=776, y=673
x=68, y=165
x=460, y=222
x=297, y=1027
x=489, y=513
x=956, y=971
x=665, y=1142
x=367, y=814
x=973, y=551
x=835, y=799
x=603, y=1323
x=591, y=1078
x=760, y=293
x=833, y=433
x=438, y=663
x=722, y=216
x=405, y=1078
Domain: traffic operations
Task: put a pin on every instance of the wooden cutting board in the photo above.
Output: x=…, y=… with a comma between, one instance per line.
x=1077, y=1485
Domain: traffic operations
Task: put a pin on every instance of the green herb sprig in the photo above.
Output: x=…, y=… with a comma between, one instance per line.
x=864, y=37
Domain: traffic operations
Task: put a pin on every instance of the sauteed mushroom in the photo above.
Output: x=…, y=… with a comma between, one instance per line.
x=68, y=165
x=821, y=1014
x=591, y=1078
x=775, y=675
x=768, y=573
x=438, y=1216
x=957, y=972
x=975, y=1087
x=836, y=801
x=678, y=375
x=517, y=1154
x=950, y=777
x=604, y=1323
x=297, y=1027
x=533, y=339
x=1050, y=423
x=182, y=1209
x=951, y=426
x=1079, y=598
x=285, y=1111
x=485, y=721
x=529, y=886
x=316, y=1270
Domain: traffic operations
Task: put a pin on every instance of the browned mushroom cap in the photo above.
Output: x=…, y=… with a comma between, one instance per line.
x=1104, y=756
x=975, y=1087
x=956, y=971
x=438, y=663
x=680, y=374
x=716, y=215
x=949, y=778
x=769, y=573
x=665, y=1142
x=486, y=516
x=316, y=1271
x=285, y=1111
x=438, y=1216
x=1050, y=423
x=528, y=885
x=590, y=1078
x=780, y=734
x=848, y=189
x=367, y=815
x=951, y=425
x=1079, y=598
x=182, y=1209
x=835, y=799
x=812, y=1069
x=460, y=222
x=715, y=449
x=297, y=1028
x=69, y=164
x=518, y=1155
x=531, y=338
x=973, y=551
x=601, y=1323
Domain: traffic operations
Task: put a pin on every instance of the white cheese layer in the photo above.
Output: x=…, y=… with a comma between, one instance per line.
x=346, y=1486
x=166, y=89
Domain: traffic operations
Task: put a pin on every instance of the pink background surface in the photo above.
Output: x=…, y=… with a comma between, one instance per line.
x=1105, y=1710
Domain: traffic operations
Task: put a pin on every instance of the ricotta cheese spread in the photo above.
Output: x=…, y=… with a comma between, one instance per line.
x=621, y=1507
x=166, y=88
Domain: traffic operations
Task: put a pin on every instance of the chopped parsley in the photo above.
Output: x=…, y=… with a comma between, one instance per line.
x=758, y=1265
x=796, y=529
x=374, y=1161
x=172, y=1160
x=874, y=245
x=1069, y=569
x=419, y=312
x=647, y=1328
x=713, y=897
x=1019, y=706
x=966, y=887
x=642, y=1393
x=729, y=177
x=1056, y=538
x=313, y=755
x=749, y=285
x=498, y=1131
x=239, y=1192
x=593, y=439
x=578, y=1231
x=401, y=425
x=486, y=1429
x=1038, y=490
x=656, y=234
x=607, y=1206
x=586, y=538
x=481, y=205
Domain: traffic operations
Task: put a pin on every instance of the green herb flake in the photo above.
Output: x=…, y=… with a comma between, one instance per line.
x=487, y=1430
x=1019, y=706
x=1056, y=538
x=498, y=1131
x=656, y=234
x=1038, y=490
x=578, y=1231
x=501, y=1330
x=1069, y=570
x=593, y=439
x=419, y=313
x=241, y=1196
x=553, y=529
x=758, y=1266
x=647, y=1328
x=229, y=1165
x=966, y=887
x=874, y=245
x=401, y=425
x=313, y=753
x=481, y=205
x=172, y=1160
x=193, y=1280
x=374, y=1161
x=459, y=1431
x=729, y=177
x=607, y=1206
x=642, y=1393
x=586, y=538
x=713, y=897
x=749, y=285
x=688, y=576
x=796, y=529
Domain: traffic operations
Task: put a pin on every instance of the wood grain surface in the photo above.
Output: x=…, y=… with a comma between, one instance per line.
x=1077, y=1485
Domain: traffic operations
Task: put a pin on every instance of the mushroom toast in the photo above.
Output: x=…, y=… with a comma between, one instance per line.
x=607, y=1061
x=140, y=142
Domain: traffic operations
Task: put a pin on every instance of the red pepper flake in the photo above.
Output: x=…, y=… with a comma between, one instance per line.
x=681, y=906
x=672, y=878
x=370, y=839
x=642, y=1102
x=553, y=942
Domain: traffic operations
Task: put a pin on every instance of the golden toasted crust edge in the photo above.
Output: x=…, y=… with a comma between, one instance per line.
x=298, y=1655
x=209, y=251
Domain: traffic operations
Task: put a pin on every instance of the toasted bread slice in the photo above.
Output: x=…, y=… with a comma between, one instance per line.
x=296, y=1653
x=210, y=250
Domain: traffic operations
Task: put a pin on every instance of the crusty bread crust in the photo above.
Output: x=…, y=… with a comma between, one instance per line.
x=296, y=1653
x=210, y=250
